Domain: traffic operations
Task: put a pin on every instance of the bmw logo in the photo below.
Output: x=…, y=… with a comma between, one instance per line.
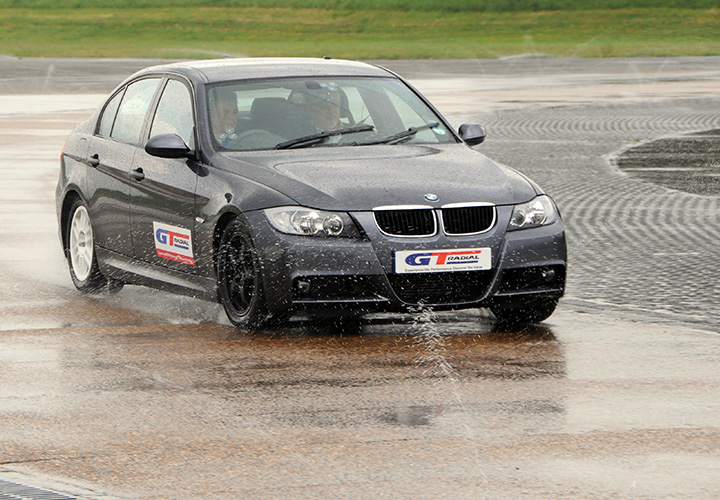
x=432, y=197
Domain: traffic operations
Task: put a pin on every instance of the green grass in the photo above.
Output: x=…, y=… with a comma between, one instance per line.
x=418, y=5
x=188, y=29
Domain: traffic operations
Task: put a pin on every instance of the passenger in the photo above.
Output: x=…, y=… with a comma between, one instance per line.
x=323, y=106
x=223, y=115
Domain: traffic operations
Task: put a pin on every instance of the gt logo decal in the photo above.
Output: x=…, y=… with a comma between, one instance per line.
x=442, y=258
x=173, y=243
x=433, y=261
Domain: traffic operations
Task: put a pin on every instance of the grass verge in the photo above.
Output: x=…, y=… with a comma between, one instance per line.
x=201, y=32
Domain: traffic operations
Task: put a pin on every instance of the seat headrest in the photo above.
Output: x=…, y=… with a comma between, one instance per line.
x=269, y=109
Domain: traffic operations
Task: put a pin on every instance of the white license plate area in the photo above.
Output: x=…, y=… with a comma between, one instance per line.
x=443, y=261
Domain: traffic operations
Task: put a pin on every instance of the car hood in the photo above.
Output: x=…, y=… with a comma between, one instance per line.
x=364, y=177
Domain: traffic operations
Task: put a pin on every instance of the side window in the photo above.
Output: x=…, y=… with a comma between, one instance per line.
x=174, y=113
x=108, y=116
x=132, y=110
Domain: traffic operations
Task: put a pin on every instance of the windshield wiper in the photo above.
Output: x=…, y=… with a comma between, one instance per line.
x=313, y=139
x=405, y=134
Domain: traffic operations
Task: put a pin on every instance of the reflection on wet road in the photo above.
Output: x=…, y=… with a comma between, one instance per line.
x=385, y=408
x=153, y=396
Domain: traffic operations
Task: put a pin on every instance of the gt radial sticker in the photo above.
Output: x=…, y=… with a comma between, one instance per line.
x=173, y=243
x=438, y=261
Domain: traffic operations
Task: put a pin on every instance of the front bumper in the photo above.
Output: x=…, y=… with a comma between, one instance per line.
x=303, y=272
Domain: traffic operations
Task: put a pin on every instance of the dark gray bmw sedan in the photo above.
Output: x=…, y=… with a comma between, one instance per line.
x=285, y=185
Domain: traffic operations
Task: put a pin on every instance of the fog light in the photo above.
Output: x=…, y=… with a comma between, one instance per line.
x=549, y=275
x=303, y=287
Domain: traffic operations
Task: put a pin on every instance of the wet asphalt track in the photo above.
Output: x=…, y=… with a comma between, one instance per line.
x=148, y=395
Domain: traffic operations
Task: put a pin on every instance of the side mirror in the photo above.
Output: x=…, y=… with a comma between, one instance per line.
x=168, y=146
x=472, y=133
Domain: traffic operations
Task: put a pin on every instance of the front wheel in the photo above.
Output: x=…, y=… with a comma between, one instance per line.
x=533, y=311
x=80, y=253
x=239, y=278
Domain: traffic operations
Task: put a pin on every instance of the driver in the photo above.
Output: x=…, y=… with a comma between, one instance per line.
x=224, y=115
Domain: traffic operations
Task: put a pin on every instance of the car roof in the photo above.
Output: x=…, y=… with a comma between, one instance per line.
x=220, y=70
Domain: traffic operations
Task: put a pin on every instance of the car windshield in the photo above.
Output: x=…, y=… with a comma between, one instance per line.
x=292, y=113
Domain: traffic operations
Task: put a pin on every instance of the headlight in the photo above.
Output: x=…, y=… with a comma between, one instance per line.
x=539, y=212
x=309, y=222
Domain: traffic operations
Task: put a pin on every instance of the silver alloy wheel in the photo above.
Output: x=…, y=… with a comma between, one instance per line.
x=81, y=244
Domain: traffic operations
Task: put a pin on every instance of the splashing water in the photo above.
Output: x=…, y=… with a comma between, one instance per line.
x=431, y=345
x=432, y=342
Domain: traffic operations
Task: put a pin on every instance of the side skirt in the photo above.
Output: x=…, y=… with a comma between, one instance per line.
x=133, y=272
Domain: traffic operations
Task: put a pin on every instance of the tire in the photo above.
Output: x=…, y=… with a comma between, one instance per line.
x=533, y=311
x=240, y=279
x=80, y=254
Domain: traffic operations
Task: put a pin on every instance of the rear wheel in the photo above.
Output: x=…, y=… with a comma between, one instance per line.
x=239, y=278
x=80, y=253
x=532, y=311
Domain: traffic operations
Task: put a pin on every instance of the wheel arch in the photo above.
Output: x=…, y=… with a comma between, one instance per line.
x=69, y=200
x=223, y=221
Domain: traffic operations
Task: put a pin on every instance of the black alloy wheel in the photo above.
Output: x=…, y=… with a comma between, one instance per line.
x=239, y=279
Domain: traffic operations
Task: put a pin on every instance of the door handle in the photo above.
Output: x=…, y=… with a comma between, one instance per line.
x=94, y=160
x=137, y=174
